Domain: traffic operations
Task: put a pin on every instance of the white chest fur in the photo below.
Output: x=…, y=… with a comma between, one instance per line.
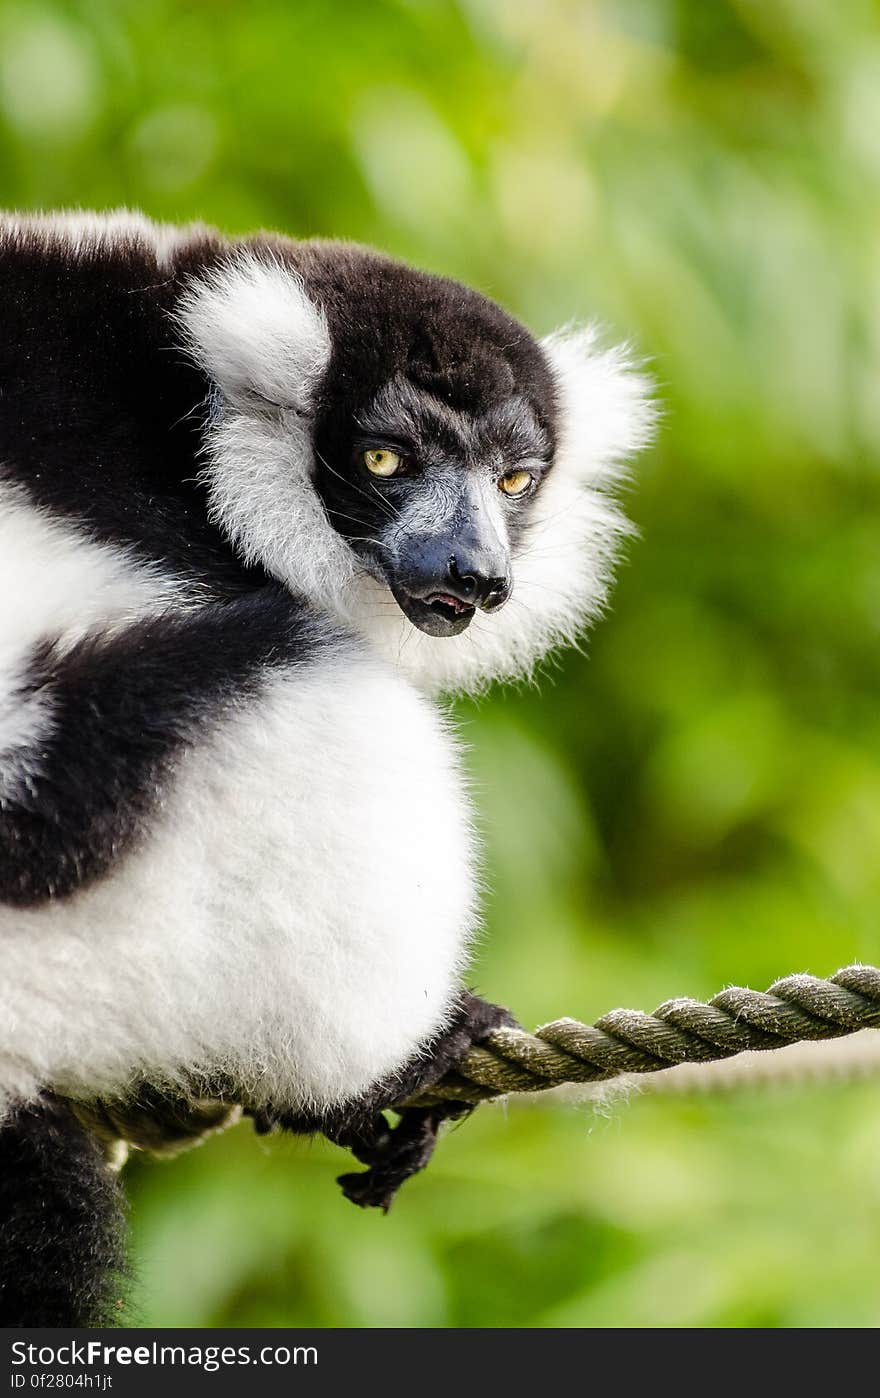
x=296, y=918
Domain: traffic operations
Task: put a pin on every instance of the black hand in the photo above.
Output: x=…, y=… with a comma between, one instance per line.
x=394, y=1154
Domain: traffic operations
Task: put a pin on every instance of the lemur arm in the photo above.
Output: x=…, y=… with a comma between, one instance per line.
x=117, y=708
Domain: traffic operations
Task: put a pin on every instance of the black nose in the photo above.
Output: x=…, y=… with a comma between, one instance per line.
x=469, y=584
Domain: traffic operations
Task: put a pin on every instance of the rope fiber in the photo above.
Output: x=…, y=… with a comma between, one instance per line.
x=794, y=1009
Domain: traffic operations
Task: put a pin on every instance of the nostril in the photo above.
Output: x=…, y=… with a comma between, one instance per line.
x=496, y=592
x=466, y=582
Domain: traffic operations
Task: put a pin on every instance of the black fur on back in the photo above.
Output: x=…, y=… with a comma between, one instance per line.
x=62, y=1223
x=100, y=410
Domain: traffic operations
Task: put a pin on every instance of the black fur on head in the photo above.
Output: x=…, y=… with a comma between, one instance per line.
x=459, y=392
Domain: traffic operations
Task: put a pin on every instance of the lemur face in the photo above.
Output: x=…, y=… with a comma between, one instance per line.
x=433, y=497
x=434, y=431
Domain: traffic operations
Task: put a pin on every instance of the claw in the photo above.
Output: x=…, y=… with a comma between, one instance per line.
x=403, y=1151
x=360, y=1188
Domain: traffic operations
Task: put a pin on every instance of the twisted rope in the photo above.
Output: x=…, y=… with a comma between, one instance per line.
x=794, y=1009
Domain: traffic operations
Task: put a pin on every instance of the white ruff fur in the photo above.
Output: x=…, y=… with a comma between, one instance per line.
x=260, y=464
x=298, y=919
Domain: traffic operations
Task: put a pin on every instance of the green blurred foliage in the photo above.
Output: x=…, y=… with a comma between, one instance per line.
x=696, y=798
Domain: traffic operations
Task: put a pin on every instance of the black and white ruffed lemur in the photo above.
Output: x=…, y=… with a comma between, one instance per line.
x=259, y=501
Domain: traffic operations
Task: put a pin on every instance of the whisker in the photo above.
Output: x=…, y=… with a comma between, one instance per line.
x=392, y=514
x=358, y=538
x=543, y=587
x=340, y=514
x=365, y=539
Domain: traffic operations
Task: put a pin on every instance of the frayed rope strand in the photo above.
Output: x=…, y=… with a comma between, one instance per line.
x=794, y=1009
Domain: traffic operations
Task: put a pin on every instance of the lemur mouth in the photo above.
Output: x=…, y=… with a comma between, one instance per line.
x=437, y=614
x=445, y=605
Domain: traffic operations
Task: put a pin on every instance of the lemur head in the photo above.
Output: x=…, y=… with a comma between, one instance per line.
x=435, y=423
x=398, y=449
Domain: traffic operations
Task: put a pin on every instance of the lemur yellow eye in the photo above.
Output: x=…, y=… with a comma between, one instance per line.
x=380, y=462
x=515, y=482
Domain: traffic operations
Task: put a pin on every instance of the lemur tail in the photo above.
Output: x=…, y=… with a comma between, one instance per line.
x=62, y=1223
